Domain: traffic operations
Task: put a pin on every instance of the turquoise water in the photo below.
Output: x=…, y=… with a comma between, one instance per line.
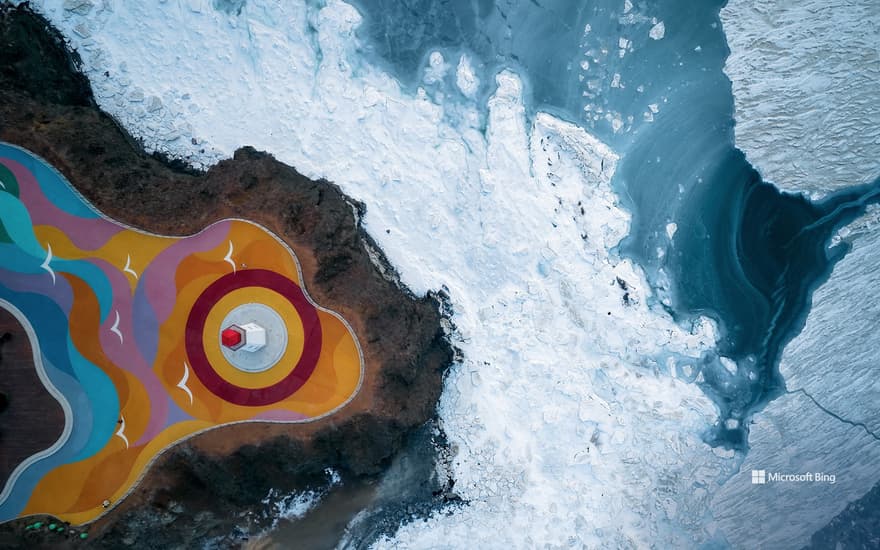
x=743, y=253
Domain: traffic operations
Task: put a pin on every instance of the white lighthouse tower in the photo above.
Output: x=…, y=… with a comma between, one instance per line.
x=253, y=337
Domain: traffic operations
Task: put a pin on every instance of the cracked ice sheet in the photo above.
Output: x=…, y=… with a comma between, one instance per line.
x=793, y=436
x=565, y=420
x=834, y=359
x=804, y=80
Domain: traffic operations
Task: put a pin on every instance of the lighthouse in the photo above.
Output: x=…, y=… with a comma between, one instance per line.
x=249, y=337
x=252, y=337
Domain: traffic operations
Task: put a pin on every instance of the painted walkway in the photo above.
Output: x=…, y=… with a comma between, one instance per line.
x=125, y=327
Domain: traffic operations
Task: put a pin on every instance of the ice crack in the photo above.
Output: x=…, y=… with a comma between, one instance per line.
x=861, y=425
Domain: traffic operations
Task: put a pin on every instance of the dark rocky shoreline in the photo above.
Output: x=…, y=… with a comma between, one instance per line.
x=210, y=488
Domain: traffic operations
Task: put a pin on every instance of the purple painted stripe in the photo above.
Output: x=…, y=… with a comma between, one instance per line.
x=144, y=317
x=159, y=277
x=175, y=413
x=86, y=234
x=60, y=292
x=125, y=354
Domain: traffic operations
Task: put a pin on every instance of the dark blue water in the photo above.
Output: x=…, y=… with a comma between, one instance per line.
x=744, y=253
x=754, y=264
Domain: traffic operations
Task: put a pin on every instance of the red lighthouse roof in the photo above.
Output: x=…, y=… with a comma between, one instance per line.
x=231, y=338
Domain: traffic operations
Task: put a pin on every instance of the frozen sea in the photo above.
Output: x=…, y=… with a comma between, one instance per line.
x=636, y=305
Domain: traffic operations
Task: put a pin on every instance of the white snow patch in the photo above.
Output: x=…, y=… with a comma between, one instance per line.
x=867, y=223
x=588, y=451
x=290, y=506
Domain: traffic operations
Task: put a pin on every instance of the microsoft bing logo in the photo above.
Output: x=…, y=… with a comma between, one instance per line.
x=762, y=477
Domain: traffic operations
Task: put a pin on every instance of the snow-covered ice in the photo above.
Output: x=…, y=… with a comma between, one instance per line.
x=805, y=80
x=598, y=448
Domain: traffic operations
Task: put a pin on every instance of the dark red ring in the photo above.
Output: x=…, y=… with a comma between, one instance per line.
x=195, y=346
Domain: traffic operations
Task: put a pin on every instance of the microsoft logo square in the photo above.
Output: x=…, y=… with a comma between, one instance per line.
x=759, y=477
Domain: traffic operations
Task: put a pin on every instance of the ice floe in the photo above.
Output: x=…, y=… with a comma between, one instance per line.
x=805, y=87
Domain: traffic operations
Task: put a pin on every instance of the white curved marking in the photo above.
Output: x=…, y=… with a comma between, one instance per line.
x=121, y=431
x=228, y=257
x=45, y=265
x=128, y=269
x=115, y=328
x=2, y=185
x=182, y=384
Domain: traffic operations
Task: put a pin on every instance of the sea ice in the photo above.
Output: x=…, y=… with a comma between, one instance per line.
x=829, y=422
x=793, y=436
x=658, y=31
x=804, y=80
x=834, y=358
x=595, y=450
x=465, y=78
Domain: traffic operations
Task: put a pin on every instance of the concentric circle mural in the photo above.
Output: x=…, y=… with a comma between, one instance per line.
x=128, y=331
x=304, y=324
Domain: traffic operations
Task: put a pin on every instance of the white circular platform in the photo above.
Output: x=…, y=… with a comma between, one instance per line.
x=276, y=338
